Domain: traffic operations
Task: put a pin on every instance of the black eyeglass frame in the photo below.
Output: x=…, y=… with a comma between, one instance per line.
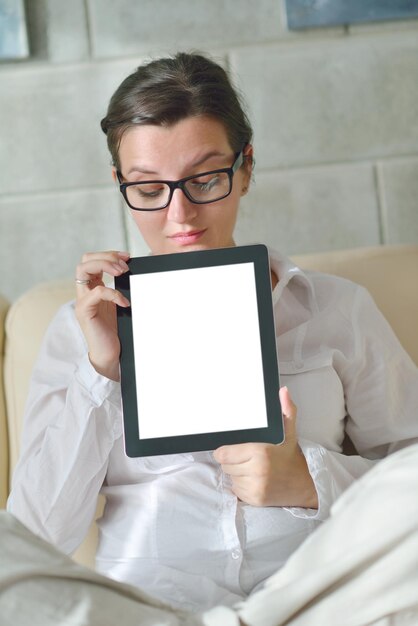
x=180, y=184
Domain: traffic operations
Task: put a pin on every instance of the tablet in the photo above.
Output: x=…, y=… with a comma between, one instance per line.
x=198, y=351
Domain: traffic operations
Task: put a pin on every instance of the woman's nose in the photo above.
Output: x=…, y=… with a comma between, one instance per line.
x=180, y=209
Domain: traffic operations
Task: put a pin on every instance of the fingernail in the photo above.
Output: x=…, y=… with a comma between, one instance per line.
x=124, y=254
x=123, y=265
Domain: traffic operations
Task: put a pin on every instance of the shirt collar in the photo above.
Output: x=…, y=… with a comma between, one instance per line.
x=291, y=275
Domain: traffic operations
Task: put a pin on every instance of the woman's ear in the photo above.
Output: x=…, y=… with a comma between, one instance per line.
x=248, y=168
x=114, y=176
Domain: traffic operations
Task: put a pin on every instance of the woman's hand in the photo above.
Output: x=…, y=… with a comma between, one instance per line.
x=96, y=309
x=264, y=474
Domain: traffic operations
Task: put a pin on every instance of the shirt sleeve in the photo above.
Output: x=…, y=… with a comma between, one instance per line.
x=71, y=422
x=381, y=394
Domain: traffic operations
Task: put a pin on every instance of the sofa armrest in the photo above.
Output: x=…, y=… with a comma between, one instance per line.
x=33, y=310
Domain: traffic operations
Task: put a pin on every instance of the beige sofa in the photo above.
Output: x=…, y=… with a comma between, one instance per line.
x=389, y=272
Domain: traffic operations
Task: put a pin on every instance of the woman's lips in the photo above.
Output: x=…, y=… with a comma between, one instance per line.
x=189, y=237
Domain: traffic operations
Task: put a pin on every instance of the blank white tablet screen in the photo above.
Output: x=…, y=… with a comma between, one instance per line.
x=197, y=351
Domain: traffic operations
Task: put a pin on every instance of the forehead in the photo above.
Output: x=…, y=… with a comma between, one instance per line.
x=183, y=142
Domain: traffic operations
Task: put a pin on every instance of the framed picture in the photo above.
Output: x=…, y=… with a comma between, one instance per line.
x=13, y=33
x=321, y=13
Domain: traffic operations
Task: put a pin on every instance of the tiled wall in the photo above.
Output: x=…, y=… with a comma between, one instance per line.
x=334, y=111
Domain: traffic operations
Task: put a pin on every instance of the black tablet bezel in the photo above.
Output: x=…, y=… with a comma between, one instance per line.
x=273, y=432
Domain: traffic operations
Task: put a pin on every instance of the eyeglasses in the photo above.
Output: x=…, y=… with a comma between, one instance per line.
x=204, y=188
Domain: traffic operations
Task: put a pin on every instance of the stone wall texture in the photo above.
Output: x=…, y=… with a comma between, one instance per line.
x=334, y=113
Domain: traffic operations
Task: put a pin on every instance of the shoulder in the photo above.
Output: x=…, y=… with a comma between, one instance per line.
x=315, y=291
x=64, y=316
x=330, y=293
x=64, y=334
x=330, y=290
x=351, y=304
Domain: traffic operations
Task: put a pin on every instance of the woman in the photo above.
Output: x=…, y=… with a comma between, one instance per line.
x=206, y=528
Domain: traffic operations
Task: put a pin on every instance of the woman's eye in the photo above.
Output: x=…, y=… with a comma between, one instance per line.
x=206, y=183
x=148, y=191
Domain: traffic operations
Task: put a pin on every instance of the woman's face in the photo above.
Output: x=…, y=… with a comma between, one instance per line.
x=193, y=145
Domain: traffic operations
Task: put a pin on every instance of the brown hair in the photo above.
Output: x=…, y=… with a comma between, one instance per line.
x=167, y=90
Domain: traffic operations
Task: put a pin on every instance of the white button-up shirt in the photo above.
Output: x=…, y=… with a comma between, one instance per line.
x=171, y=524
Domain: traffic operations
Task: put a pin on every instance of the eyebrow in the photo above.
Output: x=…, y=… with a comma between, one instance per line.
x=203, y=159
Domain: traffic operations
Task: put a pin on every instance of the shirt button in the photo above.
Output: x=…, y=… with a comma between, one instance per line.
x=236, y=554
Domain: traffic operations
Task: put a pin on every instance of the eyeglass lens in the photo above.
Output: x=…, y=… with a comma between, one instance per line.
x=153, y=195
